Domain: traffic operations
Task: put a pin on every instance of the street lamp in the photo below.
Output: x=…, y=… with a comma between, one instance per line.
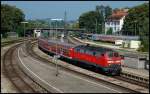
x=24, y=22
x=57, y=56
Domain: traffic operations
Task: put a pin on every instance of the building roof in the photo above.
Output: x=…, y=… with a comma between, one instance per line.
x=117, y=15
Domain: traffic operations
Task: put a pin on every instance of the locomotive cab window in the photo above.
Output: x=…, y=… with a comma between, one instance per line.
x=94, y=53
x=82, y=51
x=116, y=54
x=77, y=49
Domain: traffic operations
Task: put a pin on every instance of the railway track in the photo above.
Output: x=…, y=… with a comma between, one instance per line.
x=7, y=43
x=17, y=75
x=144, y=82
x=3, y=44
x=33, y=54
x=22, y=82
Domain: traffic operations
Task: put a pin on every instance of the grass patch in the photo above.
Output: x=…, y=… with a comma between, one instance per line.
x=100, y=42
x=9, y=39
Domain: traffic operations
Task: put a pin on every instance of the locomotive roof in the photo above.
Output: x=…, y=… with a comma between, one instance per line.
x=61, y=43
x=93, y=48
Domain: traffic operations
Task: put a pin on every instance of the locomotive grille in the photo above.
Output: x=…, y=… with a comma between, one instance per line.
x=114, y=68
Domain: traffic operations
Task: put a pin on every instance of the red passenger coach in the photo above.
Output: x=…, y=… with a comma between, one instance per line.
x=105, y=59
x=56, y=47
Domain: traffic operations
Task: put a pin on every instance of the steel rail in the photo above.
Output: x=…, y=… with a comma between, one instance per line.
x=23, y=82
x=34, y=55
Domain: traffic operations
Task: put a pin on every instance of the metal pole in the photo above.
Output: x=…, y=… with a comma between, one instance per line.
x=139, y=26
x=24, y=35
x=56, y=53
x=96, y=27
x=50, y=27
x=135, y=28
x=56, y=67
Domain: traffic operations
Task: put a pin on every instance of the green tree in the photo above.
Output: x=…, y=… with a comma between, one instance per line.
x=101, y=10
x=38, y=23
x=109, y=31
x=10, y=18
x=75, y=25
x=108, y=11
x=144, y=36
x=135, y=18
x=137, y=23
x=89, y=19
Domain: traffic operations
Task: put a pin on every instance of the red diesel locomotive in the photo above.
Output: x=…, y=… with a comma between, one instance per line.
x=105, y=59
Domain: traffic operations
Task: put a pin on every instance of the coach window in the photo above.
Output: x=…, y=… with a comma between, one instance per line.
x=77, y=49
x=88, y=52
x=94, y=53
x=82, y=51
x=111, y=23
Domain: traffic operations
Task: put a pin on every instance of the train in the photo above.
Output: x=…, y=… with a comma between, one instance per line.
x=105, y=60
x=112, y=38
x=107, y=38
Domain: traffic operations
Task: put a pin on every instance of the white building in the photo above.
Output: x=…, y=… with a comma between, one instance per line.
x=37, y=33
x=115, y=21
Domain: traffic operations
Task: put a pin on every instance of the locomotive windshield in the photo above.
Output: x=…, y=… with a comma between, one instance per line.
x=112, y=54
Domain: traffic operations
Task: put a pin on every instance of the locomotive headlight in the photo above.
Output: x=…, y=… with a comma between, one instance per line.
x=118, y=61
x=110, y=61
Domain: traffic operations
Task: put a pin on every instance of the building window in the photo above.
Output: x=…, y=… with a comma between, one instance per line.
x=115, y=28
x=115, y=22
x=108, y=23
x=111, y=23
x=118, y=29
x=118, y=23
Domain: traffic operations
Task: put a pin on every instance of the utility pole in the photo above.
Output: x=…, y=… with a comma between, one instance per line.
x=65, y=25
x=96, y=27
x=135, y=28
x=56, y=57
x=65, y=17
x=103, y=24
x=50, y=23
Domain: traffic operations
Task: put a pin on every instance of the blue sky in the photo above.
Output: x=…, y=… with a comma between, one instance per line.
x=55, y=9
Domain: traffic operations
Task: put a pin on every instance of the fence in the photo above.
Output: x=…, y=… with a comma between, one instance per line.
x=137, y=62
